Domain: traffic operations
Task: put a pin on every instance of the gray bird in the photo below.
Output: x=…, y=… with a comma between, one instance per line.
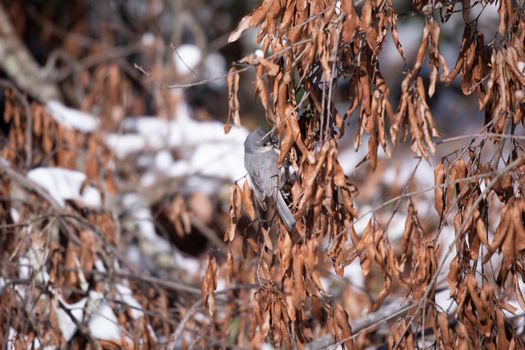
x=260, y=160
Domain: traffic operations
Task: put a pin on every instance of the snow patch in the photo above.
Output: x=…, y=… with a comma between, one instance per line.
x=189, y=264
x=214, y=67
x=126, y=296
x=65, y=323
x=11, y=337
x=361, y=223
x=445, y=302
x=207, y=154
x=15, y=214
x=103, y=323
x=72, y=118
x=354, y=273
x=24, y=268
x=142, y=215
x=521, y=66
x=186, y=58
x=163, y=160
x=148, y=39
x=63, y=184
x=396, y=227
x=123, y=145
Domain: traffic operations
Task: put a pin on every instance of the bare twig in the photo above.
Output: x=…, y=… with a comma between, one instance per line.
x=198, y=305
x=459, y=234
x=482, y=135
x=240, y=70
x=364, y=324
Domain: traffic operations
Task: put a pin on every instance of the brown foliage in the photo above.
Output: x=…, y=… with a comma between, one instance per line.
x=308, y=47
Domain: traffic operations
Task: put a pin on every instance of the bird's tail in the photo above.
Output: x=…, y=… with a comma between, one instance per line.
x=285, y=213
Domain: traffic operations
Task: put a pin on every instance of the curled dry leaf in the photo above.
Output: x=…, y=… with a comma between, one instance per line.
x=236, y=197
x=308, y=48
x=209, y=284
x=439, y=193
x=233, y=100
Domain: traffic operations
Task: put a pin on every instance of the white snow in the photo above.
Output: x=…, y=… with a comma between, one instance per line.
x=191, y=265
x=66, y=325
x=11, y=337
x=179, y=168
x=186, y=58
x=354, y=273
x=182, y=132
x=521, y=66
x=361, y=223
x=123, y=145
x=400, y=175
x=36, y=257
x=125, y=295
x=205, y=185
x=163, y=160
x=348, y=158
x=36, y=344
x=396, y=227
x=445, y=302
x=266, y=346
x=214, y=67
x=99, y=266
x=24, y=268
x=517, y=318
x=63, y=184
x=445, y=239
x=15, y=214
x=103, y=323
x=208, y=156
x=153, y=243
x=148, y=39
x=134, y=255
x=72, y=118
x=157, y=133
x=218, y=160
x=221, y=283
x=142, y=215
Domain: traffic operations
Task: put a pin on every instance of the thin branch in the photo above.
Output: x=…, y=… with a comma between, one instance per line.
x=483, y=135
x=364, y=324
x=452, y=244
x=240, y=70
x=198, y=305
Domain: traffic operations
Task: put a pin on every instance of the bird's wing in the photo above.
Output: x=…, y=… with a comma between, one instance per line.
x=271, y=182
x=259, y=188
x=265, y=176
x=285, y=213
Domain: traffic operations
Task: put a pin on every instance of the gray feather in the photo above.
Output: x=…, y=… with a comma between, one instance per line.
x=260, y=160
x=285, y=213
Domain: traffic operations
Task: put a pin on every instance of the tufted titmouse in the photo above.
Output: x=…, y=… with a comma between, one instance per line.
x=260, y=160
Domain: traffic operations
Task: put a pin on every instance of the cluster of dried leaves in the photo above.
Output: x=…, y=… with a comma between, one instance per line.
x=308, y=48
x=64, y=265
x=60, y=247
x=53, y=256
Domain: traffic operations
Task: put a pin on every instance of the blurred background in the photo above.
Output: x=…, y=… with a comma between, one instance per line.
x=128, y=99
